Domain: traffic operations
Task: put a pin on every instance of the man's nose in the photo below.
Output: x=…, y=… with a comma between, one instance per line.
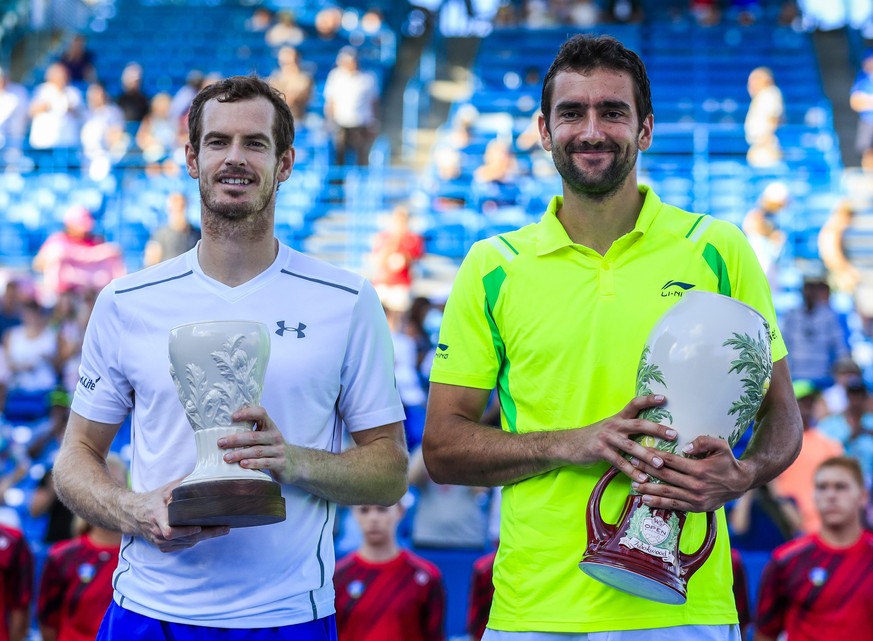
x=591, y=130
x=235, y=155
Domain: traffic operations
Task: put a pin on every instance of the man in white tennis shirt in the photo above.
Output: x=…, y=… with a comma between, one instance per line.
x=270, y=582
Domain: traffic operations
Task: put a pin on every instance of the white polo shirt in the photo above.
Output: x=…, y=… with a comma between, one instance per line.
x=338, y=369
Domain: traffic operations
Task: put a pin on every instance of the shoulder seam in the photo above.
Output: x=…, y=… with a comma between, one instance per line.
x=321, y=282
x=157, y=282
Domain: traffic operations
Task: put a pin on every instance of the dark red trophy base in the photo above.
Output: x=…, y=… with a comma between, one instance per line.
x=632, y=570
x=231, y=502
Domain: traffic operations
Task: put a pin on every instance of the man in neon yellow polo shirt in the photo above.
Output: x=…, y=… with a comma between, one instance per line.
x=555, y=316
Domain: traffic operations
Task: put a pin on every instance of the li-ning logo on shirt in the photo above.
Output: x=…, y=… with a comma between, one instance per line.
x=675, y=288
x=88, y=383
x=282, y=329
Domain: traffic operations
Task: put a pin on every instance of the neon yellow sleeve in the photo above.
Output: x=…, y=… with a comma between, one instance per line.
x=466, y=353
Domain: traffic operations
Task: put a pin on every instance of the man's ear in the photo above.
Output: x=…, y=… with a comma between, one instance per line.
x=286, y=165
x=545, y=134
x=191, y=161
x=645, y=136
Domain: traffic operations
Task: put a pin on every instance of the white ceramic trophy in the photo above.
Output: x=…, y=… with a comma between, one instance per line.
x=710, y=356
x=218, y=367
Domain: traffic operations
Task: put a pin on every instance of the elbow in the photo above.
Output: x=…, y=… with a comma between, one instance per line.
x=795, y=452
x=59, y=469
x=435, y=460
x=396, y=482
x=395, y=492
x=391, y=492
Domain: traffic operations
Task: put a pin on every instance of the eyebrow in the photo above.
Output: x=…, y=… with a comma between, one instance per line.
x=220, y=136
x=603, y=104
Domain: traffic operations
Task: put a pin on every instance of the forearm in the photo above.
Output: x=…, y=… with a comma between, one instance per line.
x=83, y=483
x=469, y=453
x=458, y=449
x=772, y=448
x=371, y=474
x=778, y=432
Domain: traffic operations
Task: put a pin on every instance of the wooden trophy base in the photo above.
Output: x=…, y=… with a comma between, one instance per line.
x=231, y=502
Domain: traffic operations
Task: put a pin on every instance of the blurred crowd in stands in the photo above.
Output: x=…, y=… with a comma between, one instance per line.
x=70, y=110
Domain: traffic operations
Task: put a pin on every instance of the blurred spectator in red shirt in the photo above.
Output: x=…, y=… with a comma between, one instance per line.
x=481, y=595
x=384, y=592
x=395, y=251
x=16, y=585
x=76, y=585
x=819, y=587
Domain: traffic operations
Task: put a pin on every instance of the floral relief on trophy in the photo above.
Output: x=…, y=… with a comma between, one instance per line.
x=648, y=373
x=756, y=366
x=213, y=405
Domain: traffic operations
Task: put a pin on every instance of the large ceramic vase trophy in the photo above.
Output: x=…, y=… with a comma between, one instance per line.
x=710, y=356
x=218, y=367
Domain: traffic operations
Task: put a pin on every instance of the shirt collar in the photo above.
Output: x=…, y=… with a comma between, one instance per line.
x=552, y=236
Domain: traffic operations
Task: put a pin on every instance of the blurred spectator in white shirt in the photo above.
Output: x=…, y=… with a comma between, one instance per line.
x=351, y=99
x=104, y=140
x=765, y=114
x=56, y=110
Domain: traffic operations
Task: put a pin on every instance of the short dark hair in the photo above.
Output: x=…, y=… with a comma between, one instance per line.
x=238, y=88
x=848, y=463
x=586, y=52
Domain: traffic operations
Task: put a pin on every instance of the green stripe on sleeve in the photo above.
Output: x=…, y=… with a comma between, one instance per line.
x=506, y=242
x=496, y=242
x=694, y=226
x=493, y=282
x=719, y=268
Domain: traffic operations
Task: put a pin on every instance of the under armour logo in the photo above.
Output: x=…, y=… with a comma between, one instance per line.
x=282, y=329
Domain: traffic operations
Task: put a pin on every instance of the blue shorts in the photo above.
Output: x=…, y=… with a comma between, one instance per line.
x=123, y=625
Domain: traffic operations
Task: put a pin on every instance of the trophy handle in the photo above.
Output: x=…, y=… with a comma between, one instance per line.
x=593, y=519
x=690, y=563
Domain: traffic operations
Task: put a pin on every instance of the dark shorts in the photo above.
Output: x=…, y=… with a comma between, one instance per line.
x=123, y=625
